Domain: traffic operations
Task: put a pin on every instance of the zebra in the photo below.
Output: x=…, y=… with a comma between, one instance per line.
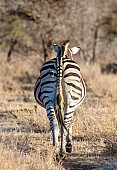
x=60, y=89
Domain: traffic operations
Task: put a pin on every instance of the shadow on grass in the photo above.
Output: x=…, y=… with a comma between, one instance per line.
x=77, y=161
x=89, y=154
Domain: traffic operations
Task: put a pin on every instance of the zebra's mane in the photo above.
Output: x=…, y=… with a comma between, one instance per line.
x=68, y=53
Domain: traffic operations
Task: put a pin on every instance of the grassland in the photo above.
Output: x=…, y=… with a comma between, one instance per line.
x=25, y=138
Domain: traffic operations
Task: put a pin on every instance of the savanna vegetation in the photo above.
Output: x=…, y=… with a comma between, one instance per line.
x=28, y=30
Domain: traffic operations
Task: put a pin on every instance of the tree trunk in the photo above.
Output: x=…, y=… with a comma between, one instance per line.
x=11, y=50
x=95, y=43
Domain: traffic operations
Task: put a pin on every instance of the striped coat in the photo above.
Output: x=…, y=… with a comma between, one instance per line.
x=60, y=89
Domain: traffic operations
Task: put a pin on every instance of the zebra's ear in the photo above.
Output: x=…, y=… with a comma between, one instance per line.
x=56, y=48
x=75, y=50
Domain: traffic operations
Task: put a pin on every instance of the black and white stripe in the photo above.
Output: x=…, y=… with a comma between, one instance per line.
x=60, y=89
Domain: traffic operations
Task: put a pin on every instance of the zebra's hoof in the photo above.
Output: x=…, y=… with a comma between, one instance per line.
x=69, y=147
x=60, y=157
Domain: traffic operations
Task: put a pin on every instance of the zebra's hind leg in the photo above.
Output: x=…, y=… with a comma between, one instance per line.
x=62, y=151
x=54, y=130
x=61, y=155
x=53, y=125
x=69, y=147
x=68, y=138
x=68, y=120
x=62, y=148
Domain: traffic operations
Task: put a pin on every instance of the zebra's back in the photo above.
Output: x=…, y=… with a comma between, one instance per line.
x=74, y=89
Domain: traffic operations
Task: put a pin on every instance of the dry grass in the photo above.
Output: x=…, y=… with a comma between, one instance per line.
x=25, y=138
x=13, y=159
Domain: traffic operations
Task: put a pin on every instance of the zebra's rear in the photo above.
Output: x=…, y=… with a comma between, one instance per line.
x=60, y=89
x=74, y=88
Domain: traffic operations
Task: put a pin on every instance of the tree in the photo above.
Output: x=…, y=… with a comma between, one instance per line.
x=34, y=25
x=12, y=31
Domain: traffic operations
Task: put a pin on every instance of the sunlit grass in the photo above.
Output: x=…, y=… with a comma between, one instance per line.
x=25, y=138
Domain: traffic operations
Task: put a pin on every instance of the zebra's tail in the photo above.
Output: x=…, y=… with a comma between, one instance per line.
x=59, y=96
